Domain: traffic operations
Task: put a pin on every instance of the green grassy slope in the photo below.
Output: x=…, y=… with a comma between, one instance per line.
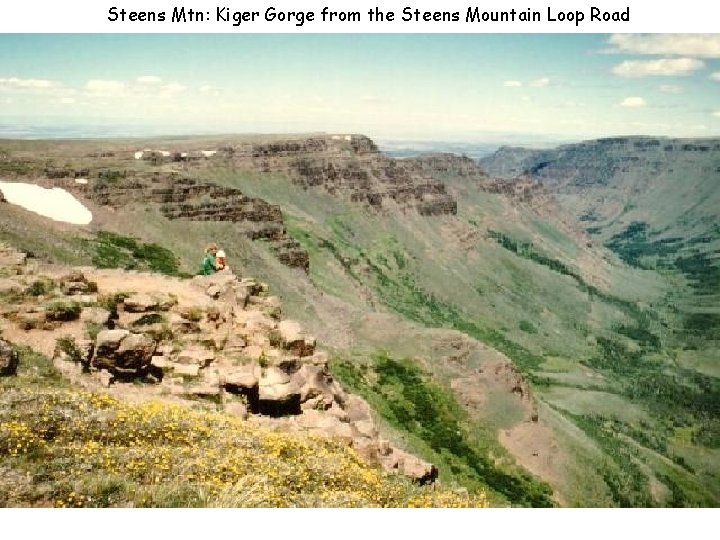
x=633, y=409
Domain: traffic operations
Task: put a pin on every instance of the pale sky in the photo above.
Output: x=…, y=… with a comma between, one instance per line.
x=420, y=86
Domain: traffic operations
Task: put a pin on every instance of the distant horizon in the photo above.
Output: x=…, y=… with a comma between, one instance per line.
x=35, y=132
x=448, y=87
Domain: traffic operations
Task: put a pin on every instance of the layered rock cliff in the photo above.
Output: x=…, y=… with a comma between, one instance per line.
x=185, y=198
x=350, y=167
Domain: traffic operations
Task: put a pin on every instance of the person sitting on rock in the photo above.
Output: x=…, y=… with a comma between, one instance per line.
x=207, y=267
x=220, y=261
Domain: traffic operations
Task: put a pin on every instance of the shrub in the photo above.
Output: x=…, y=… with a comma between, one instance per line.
x=527, y=326
x=92, y=330
x=111, y=301
x=160, y=332
x=117, y=251
x=67, y=345
x=39, y=287
x=275, y=338
x=148, y=319
x=62, y=311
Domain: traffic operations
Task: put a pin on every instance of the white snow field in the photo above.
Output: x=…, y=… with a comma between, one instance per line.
x=55, y=203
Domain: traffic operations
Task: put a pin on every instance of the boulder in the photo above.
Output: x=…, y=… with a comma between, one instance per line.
x=186, y=370
x=165, y=301
x=253, y=352
x=8, y=359
x=277, y=394
x=319, y=403
x=321, y=422
x=357, y=408
x=272, y=307
x=208, y=386
x=182, y=325
x=319, y=358
x=372, y=450
x=87, y=299
x=285, y=392
x=409, y=465
x=160, y=362
x=135, y=351
x=213, y=291
x=336, y=411
x=314, y=382
x=293, y=338
x=195, y=355
x=274, y=376
x=108, y=341
x=241, y=377
x=140, y=303
x=122, y=352
x=75, y=287
x=234, y=344
x=366, y=428
x=95, y=315
x=288, y=364
x=259, y=339
x=164, y=349
x=255, y=322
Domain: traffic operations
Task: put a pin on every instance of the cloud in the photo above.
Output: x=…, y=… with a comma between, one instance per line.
x=173, y=88
x=67, y=100
x=143, y=87
x=512, y=84
x=14, y=83
x=97, y=87
x=633, y=102
x=670, y=88
x=540, y=83
x=703, y=45
x=716, y=114
x=715, y=76
x=665, y=67
x=149, y=79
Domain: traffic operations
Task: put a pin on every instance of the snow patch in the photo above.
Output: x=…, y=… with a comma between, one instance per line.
x=55, y=203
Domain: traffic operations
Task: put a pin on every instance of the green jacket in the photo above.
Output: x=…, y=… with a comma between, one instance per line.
x=208, y=265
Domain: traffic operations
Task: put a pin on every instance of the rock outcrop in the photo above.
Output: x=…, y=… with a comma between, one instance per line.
x=8, y=359
x=218, y=339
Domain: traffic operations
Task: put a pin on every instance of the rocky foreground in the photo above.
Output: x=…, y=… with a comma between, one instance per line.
x=217, y=341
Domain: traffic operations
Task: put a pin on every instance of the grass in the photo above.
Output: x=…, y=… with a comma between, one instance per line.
x=81, y=449
x=113, y=250
x=409, y=400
